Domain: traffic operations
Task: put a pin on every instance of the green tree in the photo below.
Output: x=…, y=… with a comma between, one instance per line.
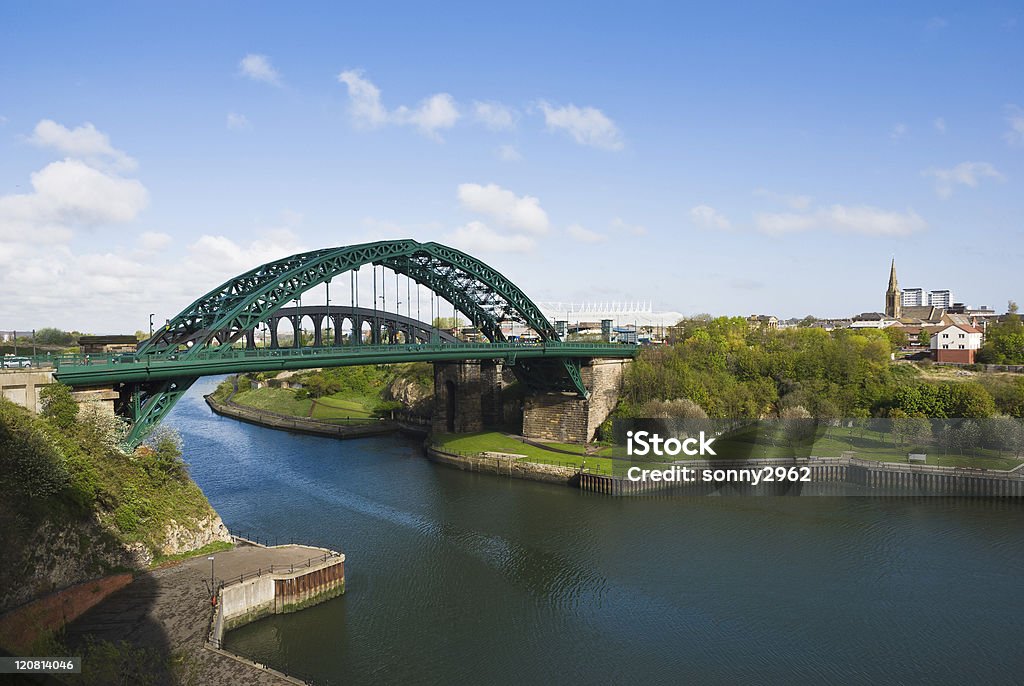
x=59, y=407
x=897, y=337
x=52, y=336
x=165, y=461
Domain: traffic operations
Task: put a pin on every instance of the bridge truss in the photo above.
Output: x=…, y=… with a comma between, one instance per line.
x=212, y=327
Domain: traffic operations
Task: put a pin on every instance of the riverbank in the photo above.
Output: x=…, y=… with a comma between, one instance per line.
x=168, y=611
x=828, y=475
x=316, y=427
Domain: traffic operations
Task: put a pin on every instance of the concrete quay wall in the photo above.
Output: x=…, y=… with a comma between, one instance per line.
x=504, y=465
x=277, y=591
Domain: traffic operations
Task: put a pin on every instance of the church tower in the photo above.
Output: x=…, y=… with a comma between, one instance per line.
x=893, y=297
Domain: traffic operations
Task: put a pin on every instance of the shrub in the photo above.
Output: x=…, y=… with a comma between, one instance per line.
x=59, y=407
x=31, y=465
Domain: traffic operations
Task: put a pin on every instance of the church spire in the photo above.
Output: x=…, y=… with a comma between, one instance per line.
x=893, y=296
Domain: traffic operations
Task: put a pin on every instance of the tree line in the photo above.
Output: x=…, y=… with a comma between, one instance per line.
x=731, y=370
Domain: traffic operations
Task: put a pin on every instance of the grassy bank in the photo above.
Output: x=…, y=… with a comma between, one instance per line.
x=746, y=444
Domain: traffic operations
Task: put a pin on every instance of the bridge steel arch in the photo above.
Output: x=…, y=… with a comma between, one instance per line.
x=218, y=319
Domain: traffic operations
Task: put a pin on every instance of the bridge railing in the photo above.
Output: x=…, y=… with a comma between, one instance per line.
x=263, y=353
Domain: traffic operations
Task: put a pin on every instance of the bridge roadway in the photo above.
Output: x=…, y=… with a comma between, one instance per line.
x=97, y=370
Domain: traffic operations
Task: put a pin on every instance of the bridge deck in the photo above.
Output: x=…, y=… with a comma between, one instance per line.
x=104, y=369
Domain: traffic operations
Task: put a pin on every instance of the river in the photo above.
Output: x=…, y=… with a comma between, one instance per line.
x=454, y=577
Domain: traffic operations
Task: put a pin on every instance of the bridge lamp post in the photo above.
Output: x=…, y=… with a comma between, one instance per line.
x=328, y=284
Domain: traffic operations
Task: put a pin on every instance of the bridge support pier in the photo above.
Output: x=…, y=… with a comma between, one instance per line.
x=467, y=396
x=568, y=418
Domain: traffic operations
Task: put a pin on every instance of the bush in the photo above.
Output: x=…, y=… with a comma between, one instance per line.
x=164, y=459
x=31, y=465
x=59, y=407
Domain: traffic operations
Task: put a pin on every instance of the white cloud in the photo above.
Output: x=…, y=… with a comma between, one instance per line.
x=1015, y=118
x=965, y=173
x=630, y=229
x=66, y=194
x=495, y=116
x=940, y=125
x=222, y=257
x=84, y=142
x=708, y=217
x=154, y=241
x=584, y=235
x=3, y=120
x=587, y=125
x=509, y=153
x=113, y=289
x=366, y=108
x=477, y=237
x=436, y=112
x=898, y=131
x=797, y=202
x=860, y=219
x=504, y=206
x=238, y=122
x=258, y=68
x=936, y=23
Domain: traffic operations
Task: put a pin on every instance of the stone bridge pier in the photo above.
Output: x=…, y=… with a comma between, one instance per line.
x=473, y=396
x=468, y=396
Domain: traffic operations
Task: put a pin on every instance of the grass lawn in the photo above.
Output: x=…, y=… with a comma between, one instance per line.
x=339, y=406
x=498, y=442
x=279, y=400
x=283, y=401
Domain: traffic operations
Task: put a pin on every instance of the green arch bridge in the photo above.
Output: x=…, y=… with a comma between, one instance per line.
x=214, y=335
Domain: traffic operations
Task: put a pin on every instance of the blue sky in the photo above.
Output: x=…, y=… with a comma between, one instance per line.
x=730, y=158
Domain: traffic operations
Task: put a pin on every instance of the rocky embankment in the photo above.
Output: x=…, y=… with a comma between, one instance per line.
x=60, y=553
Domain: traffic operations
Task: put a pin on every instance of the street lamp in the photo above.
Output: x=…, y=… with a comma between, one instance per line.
x=213, y=588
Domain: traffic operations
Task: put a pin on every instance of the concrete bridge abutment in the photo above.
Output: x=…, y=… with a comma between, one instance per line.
x=22, y=387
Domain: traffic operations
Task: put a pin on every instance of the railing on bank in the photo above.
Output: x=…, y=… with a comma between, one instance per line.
x=276, y=569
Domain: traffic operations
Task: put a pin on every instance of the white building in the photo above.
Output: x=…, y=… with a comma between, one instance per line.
x=955, y=343
x=942, y=298
x=913, y=297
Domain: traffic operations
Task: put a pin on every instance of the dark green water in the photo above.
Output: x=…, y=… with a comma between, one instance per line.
x=461, y=578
